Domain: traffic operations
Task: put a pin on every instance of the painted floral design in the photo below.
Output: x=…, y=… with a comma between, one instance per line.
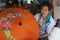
x=10, y=16
x=5, y=22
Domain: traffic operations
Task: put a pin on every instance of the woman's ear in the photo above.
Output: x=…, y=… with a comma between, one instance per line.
x=49, y=12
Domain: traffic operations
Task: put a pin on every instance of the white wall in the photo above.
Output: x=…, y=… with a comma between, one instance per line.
x=56, y=12
x=56, y=9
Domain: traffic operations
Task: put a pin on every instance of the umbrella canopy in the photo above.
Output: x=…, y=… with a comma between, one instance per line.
x=18, y=24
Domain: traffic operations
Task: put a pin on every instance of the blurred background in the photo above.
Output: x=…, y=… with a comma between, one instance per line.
x=31, y=5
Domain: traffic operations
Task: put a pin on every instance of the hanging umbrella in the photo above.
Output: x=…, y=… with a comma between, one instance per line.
x=18, y=24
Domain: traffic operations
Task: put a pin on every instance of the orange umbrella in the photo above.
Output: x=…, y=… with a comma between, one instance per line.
x=18, y=24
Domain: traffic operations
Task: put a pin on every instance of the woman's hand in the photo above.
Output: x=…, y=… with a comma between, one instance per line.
x=45, y=35
x=40, y=36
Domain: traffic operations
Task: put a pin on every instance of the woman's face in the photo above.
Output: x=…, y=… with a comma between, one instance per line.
x=44, y=11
